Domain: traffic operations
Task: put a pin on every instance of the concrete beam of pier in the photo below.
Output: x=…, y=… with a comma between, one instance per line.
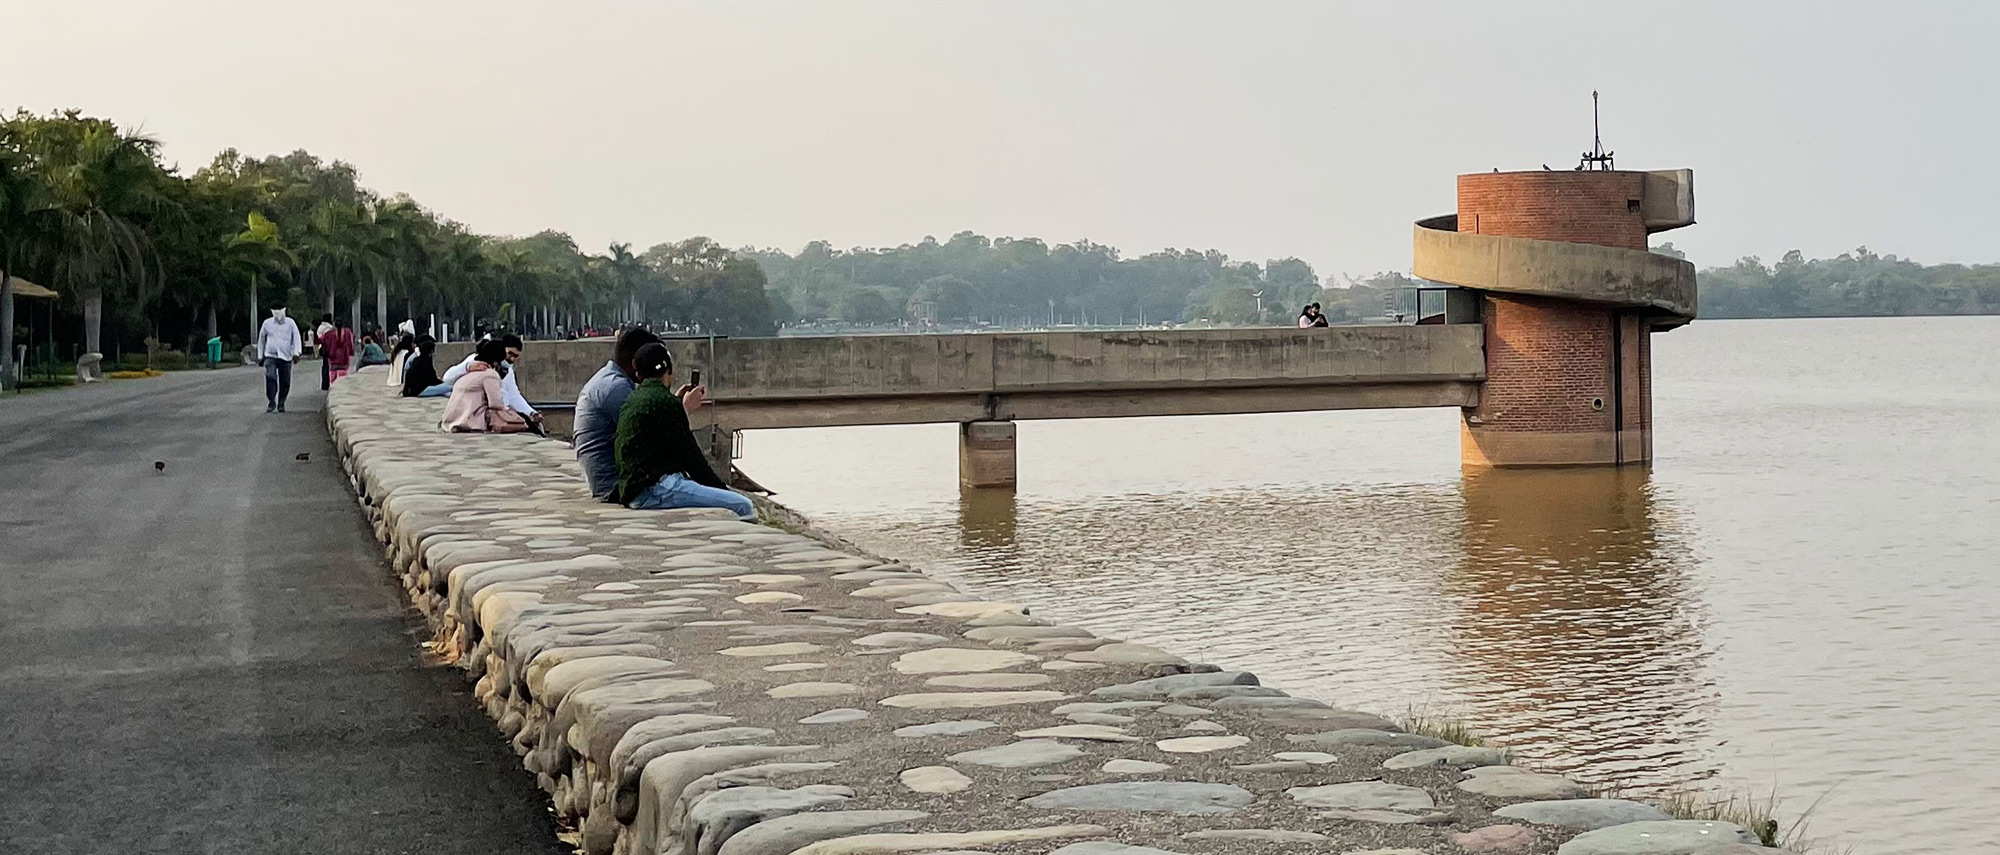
x=805, y=381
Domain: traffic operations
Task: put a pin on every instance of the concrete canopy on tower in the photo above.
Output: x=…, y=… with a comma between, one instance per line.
x=1566, y=235
x=1605, y=275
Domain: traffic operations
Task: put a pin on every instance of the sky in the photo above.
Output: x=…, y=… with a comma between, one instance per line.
x=1263, y=129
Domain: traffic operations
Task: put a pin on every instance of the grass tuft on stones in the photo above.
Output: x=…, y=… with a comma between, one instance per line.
x=1425, y=720
x=1754, y=812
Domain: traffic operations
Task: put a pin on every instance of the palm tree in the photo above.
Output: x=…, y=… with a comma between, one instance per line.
x=253, y=254
x=627, y=276
x=96, y=185
x=14, y=242
x=461, y=269
x=408, y=243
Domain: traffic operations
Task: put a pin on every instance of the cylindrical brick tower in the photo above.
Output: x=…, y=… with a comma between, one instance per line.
x=1569, y=296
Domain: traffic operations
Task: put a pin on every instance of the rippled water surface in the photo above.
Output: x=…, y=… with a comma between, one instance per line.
x=1799, y=596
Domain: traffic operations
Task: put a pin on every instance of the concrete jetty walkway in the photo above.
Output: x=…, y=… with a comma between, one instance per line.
x=215, y=659
x=683, y=683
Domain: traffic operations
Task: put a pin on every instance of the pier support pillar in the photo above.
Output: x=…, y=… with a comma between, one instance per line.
x=986, y=454
x=718, y=445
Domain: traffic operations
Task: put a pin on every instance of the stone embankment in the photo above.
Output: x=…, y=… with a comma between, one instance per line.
x=682, y=682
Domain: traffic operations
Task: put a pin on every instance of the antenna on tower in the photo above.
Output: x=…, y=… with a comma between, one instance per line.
x=1596, y=157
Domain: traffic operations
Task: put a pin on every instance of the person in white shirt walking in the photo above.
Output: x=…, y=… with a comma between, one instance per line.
x=278, y=346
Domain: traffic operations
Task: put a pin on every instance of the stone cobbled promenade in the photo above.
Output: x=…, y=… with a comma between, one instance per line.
x=681, y=682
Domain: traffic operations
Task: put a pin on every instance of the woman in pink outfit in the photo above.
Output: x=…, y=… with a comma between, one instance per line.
x=337, y=348
x=477, y=405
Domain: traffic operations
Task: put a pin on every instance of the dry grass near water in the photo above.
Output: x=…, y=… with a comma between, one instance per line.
x=1754, y=812
x=1757, y=813
x=1427, y=721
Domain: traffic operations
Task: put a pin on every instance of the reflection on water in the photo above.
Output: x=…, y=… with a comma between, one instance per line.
x=1559, y=615
x=1577, y=629
x=986, y=518
x=1800, y=595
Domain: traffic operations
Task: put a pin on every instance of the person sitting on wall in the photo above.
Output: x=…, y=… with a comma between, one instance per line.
x=418, y=373
x=510, y=386
x=371, y=353
x=403, y=346
x=660, y=465
x=595, y=433
x=477, y=405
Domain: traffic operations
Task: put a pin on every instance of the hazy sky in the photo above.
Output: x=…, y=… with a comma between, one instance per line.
x=1316, y=129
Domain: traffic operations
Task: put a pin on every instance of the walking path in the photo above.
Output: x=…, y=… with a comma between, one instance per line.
x=214, y=659
x=682, y=683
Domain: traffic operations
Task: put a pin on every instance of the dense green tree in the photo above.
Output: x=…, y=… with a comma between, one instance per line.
x=254, y=257
x=867, y=306
x=95, y=190
x=87, y=208
x=1858, y=283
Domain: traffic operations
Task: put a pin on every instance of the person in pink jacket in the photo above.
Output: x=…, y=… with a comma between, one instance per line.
x=337, y=348
x=477, y=404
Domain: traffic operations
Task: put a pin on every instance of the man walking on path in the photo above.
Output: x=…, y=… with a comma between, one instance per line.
x=278, y=346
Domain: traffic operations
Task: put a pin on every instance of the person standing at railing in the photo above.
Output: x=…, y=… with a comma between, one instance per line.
x=1311, y=316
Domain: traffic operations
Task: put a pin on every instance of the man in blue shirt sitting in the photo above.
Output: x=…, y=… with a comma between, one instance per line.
x=595, y=433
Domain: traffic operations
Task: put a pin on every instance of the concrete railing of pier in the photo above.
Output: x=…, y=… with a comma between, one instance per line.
x=986, y=381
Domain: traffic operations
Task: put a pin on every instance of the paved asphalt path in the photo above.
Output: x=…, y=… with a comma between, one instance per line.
x=215, y=660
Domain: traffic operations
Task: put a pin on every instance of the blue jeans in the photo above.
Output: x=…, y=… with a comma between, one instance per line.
x=441, y=390
x=277, y=380
x=676, y=491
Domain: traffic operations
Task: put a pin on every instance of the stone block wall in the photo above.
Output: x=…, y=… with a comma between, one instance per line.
x=685, y=683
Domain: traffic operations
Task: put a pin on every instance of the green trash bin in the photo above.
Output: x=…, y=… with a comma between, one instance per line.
x=215, y=351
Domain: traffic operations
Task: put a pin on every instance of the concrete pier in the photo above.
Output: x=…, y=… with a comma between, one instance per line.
x=1545, y=346
x=986, y=454
x=999, y=378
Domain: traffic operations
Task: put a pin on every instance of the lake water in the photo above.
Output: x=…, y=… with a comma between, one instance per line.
x=1799, y=597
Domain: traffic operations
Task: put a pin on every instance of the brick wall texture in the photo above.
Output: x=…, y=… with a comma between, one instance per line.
x=1545, y=361
x=1574, y=207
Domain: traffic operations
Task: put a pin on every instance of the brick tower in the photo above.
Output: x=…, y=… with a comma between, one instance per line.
x=1569, y=296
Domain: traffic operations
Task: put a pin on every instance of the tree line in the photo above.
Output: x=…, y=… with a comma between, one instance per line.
x=138, y=250
x=972, y=279
x=1012, y=282
x=1854, y=284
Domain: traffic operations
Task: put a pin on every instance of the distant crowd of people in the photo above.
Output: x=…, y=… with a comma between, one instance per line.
x=632, y=435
